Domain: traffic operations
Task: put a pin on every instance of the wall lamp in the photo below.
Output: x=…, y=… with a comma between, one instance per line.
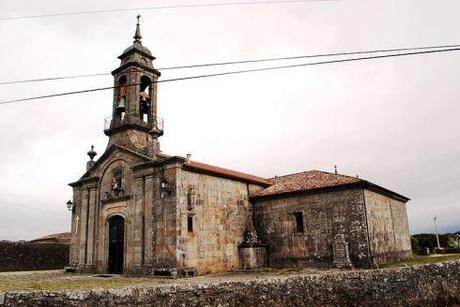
x=70, y=205
x=166, y=188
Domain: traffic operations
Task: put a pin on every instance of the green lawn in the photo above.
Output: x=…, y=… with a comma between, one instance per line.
x=57, y=280
x=421, y=260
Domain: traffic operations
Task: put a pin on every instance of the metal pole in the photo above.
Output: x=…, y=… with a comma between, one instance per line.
x=436, y=231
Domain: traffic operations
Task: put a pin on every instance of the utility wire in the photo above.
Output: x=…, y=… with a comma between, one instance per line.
x=241, y=72
x=29, y=195
x=146, y=8
x=28, y=207
x=242, y=62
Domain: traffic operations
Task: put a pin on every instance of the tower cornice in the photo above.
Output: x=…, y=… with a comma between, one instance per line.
x=137, y=49
x=136, y=64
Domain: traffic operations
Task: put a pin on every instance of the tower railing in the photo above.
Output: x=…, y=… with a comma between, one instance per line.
x=110, y=123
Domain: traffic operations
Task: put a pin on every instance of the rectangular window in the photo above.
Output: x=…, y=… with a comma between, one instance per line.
x=299, y=221
x=190, y=224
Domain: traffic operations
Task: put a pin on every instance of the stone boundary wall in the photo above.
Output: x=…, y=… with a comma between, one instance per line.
x=27, y=256
x=428, y=285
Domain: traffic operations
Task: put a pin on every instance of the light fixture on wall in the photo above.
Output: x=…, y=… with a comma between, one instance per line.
x=166, y=188
x=70, y=205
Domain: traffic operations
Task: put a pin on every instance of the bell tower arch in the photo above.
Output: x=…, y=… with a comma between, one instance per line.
x=134, y=122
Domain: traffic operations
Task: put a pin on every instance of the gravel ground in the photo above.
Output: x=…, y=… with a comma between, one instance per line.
x=58, y=280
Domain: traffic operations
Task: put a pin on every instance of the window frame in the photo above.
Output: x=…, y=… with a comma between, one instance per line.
x=299, y=221
x=190, y=224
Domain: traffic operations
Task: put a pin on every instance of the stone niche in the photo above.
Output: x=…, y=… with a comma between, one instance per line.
x=252, y=256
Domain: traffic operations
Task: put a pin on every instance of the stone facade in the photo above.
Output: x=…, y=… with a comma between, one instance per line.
x=139, y=211
x=324, y=215
x=374, y=228
x=388, y=227
x=220, y=213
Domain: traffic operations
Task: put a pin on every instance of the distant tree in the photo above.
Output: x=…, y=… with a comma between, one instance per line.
x=415, y=245
x=422, y=241
x=453, y=241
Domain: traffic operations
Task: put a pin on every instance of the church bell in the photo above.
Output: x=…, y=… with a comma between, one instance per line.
x=121, y=104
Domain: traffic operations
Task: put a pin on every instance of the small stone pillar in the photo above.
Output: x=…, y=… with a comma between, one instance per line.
x=91, y=155
x=252, y=254
x=341, y=254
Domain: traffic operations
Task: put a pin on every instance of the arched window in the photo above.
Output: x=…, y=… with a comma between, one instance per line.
x=144, y=98
x=121, y=97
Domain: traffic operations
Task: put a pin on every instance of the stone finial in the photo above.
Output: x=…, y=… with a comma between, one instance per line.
x=137, y=35
x=92, y=153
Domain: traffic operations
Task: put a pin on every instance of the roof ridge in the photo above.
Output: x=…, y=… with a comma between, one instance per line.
x=343, y=175
x=229, y=171
x=276, y=176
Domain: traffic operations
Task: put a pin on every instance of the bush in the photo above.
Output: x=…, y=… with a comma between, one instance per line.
x=422, y=241
x=27, y=256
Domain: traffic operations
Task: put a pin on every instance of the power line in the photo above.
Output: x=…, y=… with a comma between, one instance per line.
x=241, y=72
x=242, y=62
x=29, y=195
x=146, y=8
x=28, y=207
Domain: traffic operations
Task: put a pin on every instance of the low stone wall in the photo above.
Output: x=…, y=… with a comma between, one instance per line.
x=27, y=256
x=428, y=285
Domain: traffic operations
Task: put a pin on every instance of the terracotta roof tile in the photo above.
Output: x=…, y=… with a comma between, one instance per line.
x=63, y=237
x=226, y=172
x=305, y=181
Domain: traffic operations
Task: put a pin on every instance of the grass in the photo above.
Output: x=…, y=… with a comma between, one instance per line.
x=416, y=259
x=57, y=280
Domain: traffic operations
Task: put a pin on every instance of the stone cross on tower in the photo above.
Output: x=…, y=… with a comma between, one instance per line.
x=134, y=123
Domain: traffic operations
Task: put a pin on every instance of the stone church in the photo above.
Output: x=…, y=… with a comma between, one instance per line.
x=137, y=210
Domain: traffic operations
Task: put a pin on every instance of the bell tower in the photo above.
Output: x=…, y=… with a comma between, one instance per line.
x=134, y=123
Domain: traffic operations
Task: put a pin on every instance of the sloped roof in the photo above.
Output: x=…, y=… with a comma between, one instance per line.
x=197, y=166
x=317, y=180
x=62, y=237
x=106, y=153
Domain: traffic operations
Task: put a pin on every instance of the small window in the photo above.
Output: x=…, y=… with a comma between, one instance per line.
x=190, y=223
x=299, y=221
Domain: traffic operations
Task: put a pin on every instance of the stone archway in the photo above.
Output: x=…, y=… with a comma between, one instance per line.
x=116, y=244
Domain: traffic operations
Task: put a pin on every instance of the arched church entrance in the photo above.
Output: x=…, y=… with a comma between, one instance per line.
x=116, y=244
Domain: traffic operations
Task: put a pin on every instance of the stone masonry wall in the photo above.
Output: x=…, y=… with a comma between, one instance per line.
x=156, y=223
x=428, y=285
x=324, y=215
x=220, y=213
x=388, y=228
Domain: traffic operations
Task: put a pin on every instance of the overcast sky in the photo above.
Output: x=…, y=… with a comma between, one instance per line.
x=392, y=121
